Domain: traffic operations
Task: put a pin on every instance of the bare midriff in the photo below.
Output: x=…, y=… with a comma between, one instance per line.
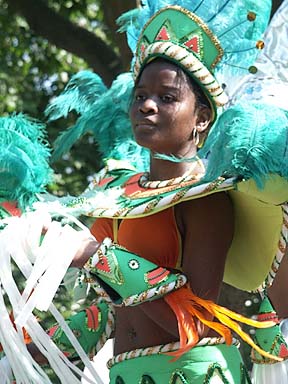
x=134, y=329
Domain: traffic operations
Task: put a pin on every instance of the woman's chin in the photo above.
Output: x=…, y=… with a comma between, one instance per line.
x=145, y=140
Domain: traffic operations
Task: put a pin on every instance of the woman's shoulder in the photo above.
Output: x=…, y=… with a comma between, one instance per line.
x=210, y=213
x=210, y=204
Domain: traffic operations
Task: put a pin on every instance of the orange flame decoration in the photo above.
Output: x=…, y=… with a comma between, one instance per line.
x=189, y=307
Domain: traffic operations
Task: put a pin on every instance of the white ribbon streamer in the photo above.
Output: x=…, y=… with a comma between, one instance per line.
x=5, y=371
x=44, y=264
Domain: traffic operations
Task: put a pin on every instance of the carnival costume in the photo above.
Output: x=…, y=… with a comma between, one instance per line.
x=212, y=47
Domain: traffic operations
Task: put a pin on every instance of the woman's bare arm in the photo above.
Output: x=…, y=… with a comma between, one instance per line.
x=206, y=226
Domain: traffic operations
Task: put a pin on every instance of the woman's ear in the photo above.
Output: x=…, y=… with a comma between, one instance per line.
x=203, y=124
x=203, y=118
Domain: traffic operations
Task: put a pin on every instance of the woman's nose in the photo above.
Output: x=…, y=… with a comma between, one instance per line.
x=148, y=105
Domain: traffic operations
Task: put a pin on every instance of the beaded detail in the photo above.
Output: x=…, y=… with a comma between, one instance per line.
x=216, y=370
x=178, y=378
x=144, y=181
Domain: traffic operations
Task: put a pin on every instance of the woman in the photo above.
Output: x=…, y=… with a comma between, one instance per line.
x=165, y=112
x=168, y=114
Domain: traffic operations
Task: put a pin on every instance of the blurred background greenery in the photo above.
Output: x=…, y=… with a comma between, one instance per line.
x=45, y=42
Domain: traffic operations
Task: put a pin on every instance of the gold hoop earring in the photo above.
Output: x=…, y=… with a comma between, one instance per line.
x=195, y=136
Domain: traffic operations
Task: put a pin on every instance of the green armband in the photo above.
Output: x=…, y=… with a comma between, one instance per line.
x=92, y=327
x=128, y=278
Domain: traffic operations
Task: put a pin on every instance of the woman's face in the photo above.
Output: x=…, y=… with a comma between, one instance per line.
x=163, y=110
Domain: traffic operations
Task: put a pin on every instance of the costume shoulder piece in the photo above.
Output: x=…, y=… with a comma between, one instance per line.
x=261, y=215
x=125, y=193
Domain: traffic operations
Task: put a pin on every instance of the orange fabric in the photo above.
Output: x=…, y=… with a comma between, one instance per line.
x=153, y=237
x=102, y=228
x=11, y=207
x=92, y=314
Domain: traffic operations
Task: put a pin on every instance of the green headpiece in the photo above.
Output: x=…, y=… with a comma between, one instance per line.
x=182, y=37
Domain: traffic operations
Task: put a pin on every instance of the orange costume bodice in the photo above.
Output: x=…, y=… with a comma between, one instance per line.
x=155, y=237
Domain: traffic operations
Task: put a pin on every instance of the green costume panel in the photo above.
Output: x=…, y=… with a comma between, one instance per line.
x=201, y=365
x=92, y=327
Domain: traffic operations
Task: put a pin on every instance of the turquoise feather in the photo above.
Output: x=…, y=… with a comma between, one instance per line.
x=24, y=156
x=82, y=90
x=105, y=115
x=249, y=140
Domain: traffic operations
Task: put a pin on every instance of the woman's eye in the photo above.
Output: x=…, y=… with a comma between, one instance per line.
x=139, y=97
x=167, y=98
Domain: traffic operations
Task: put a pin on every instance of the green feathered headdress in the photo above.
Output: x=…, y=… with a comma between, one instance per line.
x=24, y=155
x=215, y=42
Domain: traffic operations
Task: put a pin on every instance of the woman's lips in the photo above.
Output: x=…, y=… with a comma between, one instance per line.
x=145, y=124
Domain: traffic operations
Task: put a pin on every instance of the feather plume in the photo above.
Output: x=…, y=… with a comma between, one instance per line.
x=184, y=304
x=248, y=141
x=105, y=115
x=24, y=159
x=81, y=92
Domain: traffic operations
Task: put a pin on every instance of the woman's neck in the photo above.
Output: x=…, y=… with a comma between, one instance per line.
x=165, y=170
